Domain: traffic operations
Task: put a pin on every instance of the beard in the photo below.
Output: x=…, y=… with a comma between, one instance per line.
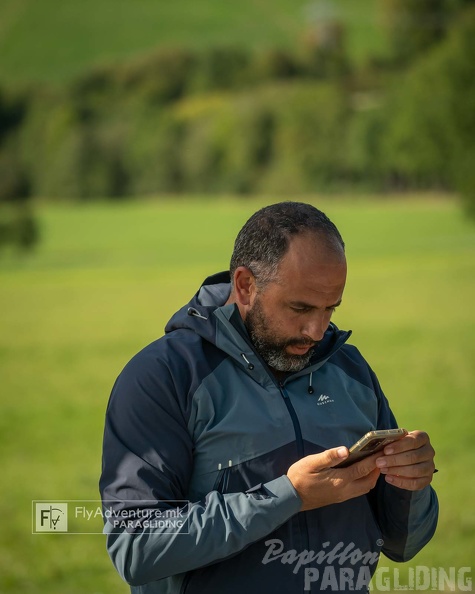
x=272, y=347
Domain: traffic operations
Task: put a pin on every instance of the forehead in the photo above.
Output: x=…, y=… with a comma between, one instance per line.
x=310, y=269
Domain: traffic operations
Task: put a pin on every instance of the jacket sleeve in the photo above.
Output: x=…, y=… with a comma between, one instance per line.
x=407, y=519
x=146, y=469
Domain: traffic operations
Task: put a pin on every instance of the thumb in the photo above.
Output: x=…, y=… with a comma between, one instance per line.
x=329, y=458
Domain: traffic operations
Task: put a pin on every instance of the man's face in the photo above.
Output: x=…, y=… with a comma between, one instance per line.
x=291, y=314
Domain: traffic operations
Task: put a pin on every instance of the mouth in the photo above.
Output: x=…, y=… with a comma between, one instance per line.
x=299, y=349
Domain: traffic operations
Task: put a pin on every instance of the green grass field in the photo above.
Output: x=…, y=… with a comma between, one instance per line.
x=53, y=40
x=106, y=278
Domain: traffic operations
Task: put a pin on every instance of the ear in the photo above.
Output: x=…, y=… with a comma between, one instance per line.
x=244, y=287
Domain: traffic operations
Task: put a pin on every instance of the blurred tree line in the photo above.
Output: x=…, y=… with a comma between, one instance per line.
x=230, y=120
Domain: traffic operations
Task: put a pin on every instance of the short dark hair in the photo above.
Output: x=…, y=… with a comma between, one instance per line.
x=265, y=237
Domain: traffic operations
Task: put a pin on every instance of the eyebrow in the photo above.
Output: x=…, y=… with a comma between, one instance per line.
x=309, y=306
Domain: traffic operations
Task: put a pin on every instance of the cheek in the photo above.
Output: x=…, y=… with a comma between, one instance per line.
x=288, y=326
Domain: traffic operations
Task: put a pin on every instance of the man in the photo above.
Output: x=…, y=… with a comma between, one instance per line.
x=243, y=409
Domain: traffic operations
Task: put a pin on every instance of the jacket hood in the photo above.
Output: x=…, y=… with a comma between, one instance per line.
x=208, y=316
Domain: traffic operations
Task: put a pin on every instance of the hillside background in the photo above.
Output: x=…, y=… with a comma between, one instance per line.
x=127, y=100
x=56, y=41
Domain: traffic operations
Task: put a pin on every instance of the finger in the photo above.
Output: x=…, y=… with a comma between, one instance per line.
x=362, y=468
x=348, y=489
x=370, y=479
x=364, y=484
x=335, y=456
x=409, y=484
x=328, y=458
x=424, y=469
x=407, y=458
x=413, y=440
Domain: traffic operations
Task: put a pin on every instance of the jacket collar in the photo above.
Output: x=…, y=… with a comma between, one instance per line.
x=222, y=325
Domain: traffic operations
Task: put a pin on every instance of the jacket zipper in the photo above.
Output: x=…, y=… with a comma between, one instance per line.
x=302, y=517
x=295, y=421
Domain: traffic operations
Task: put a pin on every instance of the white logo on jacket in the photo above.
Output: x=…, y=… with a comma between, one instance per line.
x=324, y=399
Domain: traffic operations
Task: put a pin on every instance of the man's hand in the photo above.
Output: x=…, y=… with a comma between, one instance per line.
x=318, y=484
x=409, y=462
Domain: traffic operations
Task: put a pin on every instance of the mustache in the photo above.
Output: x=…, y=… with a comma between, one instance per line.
x=300, y=343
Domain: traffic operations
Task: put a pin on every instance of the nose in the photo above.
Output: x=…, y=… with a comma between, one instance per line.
x=316, y=327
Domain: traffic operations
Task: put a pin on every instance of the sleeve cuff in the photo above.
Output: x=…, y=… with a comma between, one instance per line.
x=284, y=492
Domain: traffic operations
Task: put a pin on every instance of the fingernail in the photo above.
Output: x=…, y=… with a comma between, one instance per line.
x=381, y=462
x=342, y=452
x=389, y=479
x=389, y=451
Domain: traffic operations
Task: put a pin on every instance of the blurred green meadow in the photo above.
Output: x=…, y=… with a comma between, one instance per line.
x=53, y=40
x=106, y=278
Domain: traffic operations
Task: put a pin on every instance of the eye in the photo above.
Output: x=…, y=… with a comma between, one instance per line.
x=300, y=309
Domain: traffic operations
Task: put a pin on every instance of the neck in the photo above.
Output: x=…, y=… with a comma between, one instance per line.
x=279, y=375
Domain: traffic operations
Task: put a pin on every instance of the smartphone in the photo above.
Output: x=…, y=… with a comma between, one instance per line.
x=372, y=442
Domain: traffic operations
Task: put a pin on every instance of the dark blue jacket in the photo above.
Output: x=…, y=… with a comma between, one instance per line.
x=198, y=417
